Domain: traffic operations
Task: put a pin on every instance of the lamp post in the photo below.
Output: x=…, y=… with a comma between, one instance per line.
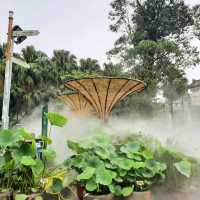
x=15, y=35
x=8, y=73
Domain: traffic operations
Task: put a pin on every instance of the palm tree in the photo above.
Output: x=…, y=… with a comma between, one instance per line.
x=89, y=65
x=64, y=61
x=111, y=69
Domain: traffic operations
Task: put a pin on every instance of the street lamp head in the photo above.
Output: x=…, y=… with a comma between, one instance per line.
x=19, y=39
x=11, y=13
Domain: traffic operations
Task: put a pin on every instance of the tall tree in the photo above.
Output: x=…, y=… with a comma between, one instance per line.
x=89, y=65
x=138, y=20
x=174, y=87
x=153, y=39
x=113, y=70
x=146, y=27
x=64, y=61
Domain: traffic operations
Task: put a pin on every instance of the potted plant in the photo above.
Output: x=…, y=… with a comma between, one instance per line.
x=179, y=168
x=90, y=161
x=18, y=162
x=141, y=170
x=21, y=171
x=96, y=163
x=55, y=179
x=181, y=172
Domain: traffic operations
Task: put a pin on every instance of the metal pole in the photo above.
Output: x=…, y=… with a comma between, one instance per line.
x=8, y=74
x=44, y=122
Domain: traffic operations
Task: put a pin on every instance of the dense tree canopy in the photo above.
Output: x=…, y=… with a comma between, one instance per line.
x=155, y=40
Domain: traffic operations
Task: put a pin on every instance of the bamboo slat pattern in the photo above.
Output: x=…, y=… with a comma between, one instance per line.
x=104, y=93
x=77, y=103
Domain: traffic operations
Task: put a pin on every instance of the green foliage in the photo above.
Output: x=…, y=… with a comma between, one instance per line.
x=21, y=197
x=18, y=156
x=8, y=138
x=56, y=119
x=89, y=65
x=28, y=161
x=180, y=168
x=56, y=179
x=184, y=167
x=20, y=169
x=103, y=166
x=49, y=154
x=152, y=45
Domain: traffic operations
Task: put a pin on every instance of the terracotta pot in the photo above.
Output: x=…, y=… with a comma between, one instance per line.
x=80, y=191
x=33, y=196
x=66, y=193
x=139, y=196
x=47, y=196
x=99, y=197
x=6, y=196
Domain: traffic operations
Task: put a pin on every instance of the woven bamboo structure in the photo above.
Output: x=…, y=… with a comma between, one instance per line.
x=77, y=103
x=104, y=93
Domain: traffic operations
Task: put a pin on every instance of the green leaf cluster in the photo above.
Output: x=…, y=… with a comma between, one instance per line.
x=19, y=168
x=104, y=167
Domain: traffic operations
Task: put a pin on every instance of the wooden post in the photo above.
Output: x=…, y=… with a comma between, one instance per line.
x=8, y=74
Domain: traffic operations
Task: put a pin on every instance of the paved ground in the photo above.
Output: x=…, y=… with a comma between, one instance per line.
x=192, y=193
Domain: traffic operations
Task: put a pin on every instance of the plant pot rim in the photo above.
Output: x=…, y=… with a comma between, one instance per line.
x=146, y=191
x=6, y=194
x=99, y=195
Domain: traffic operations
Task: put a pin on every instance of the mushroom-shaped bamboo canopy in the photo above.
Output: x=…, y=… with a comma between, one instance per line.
x=104, y=93
x=77, y=103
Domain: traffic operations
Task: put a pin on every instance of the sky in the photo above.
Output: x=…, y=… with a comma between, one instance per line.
x=80, y=26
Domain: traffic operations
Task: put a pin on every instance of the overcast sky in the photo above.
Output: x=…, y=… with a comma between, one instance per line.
x=80, y=26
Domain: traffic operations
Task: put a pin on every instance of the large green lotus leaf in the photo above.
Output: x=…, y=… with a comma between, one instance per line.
x=24, y=149
x=115, y=189
x=137, y=165
x=118, y=179
x=109, y=165
x=155, y=166
x=75, y=146
x=28, y=161
x=148, y=154
x=21, y=197
x=147, y=174
x=103, y=153
x=91, y=185
x=86, y=174
x=56, y=120
x=136, y=156
x=127, y=191
x=104, y=176
x=184, y=167
x=49, y=154
x=123, y=163
x=122, y=172
x=93, y=161
x=102, y=140
x=132, y=147
x=77, y=161
x=38, y=168
x=8, y=138
x=25, y=135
